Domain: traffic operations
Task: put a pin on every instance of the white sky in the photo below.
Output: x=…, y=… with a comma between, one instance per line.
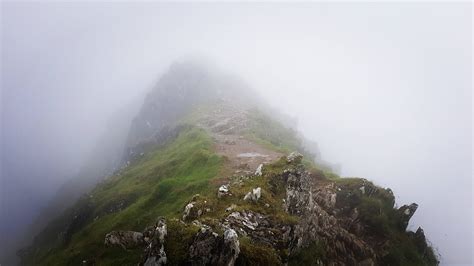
x=385, y=89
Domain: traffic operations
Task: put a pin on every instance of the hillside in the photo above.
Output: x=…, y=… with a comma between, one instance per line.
x=210, y=176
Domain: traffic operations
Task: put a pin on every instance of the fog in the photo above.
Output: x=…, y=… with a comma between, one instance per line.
x=384, y=89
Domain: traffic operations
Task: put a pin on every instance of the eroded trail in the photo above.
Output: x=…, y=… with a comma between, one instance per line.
x=227, y=126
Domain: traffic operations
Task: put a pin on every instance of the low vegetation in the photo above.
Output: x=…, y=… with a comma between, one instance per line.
x=157, y=184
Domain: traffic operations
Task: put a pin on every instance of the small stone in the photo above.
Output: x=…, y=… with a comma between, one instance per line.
x=258, y=172
x=223, y=191
x=228, y=209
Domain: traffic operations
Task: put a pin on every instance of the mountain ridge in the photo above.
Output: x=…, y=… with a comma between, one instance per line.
x=201, y=133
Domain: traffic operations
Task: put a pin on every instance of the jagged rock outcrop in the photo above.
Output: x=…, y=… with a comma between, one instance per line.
x=208, y=248
x=315, y=207
x=152, y=239
x=407, y=211
x=195, y=208
x=259, y=227
x=343, y=218
x=155, y=239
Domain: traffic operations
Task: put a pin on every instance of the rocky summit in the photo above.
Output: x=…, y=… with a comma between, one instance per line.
x=212, y=176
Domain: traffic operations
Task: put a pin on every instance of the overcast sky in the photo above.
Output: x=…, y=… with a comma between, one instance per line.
x=385, y=90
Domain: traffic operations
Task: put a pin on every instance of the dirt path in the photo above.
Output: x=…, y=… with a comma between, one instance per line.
x=226, y=125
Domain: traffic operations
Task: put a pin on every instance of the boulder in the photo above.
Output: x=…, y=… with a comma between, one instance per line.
x=187, y=211
x=124, y=239
x=294, y=157
x=223, y=191
x=155, y=250
x=405, y=214
x=208, y=248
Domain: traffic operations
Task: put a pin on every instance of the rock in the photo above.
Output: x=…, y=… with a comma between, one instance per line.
x=258, y=172
x=294, y=157
x=315, y=205
x=406, y=212
x=259, y=227
x=125, y=239
x=229, y=209
x=155, y=250
x=187, y=210
x=257, y=193
x=223, y=191
x=254, y=195
x=208, y=248
x=231, y=247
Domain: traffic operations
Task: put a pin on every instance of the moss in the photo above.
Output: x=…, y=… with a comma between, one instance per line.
x=273, y=135
x=314, y=254
x=158, y=184
x=178, y=238
x=252, y=253
x=161, y=182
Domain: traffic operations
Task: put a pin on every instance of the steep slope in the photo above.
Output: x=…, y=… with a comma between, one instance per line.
x=210, y=178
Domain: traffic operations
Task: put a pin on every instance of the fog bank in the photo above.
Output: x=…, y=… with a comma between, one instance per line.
x=385, y=90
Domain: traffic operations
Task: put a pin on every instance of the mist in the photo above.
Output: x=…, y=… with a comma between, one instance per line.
x=384, y=89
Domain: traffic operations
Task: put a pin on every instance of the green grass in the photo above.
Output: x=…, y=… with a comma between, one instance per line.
x=158, y=184
x=161, y=182
x=271, y=134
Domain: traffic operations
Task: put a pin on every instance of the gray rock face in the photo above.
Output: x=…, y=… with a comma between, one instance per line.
x=155, y=244
x=208, y=248
x=260, y=228
x=124, y=239
x=152, y=239
x=195, y=208
x=315, y=205
x=406, y=212
x=187, y=210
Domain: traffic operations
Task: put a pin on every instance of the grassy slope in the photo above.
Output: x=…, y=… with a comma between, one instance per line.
x=157, y=184
x=161, y=182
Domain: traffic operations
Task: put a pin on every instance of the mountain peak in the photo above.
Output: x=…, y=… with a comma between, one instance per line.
x=212, y=179
x=184, y=86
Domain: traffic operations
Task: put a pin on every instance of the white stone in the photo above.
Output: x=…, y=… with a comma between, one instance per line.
x=187, y=209
x=223, y=190
x=254, y=195
x=257, y=193
x=258, y=172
